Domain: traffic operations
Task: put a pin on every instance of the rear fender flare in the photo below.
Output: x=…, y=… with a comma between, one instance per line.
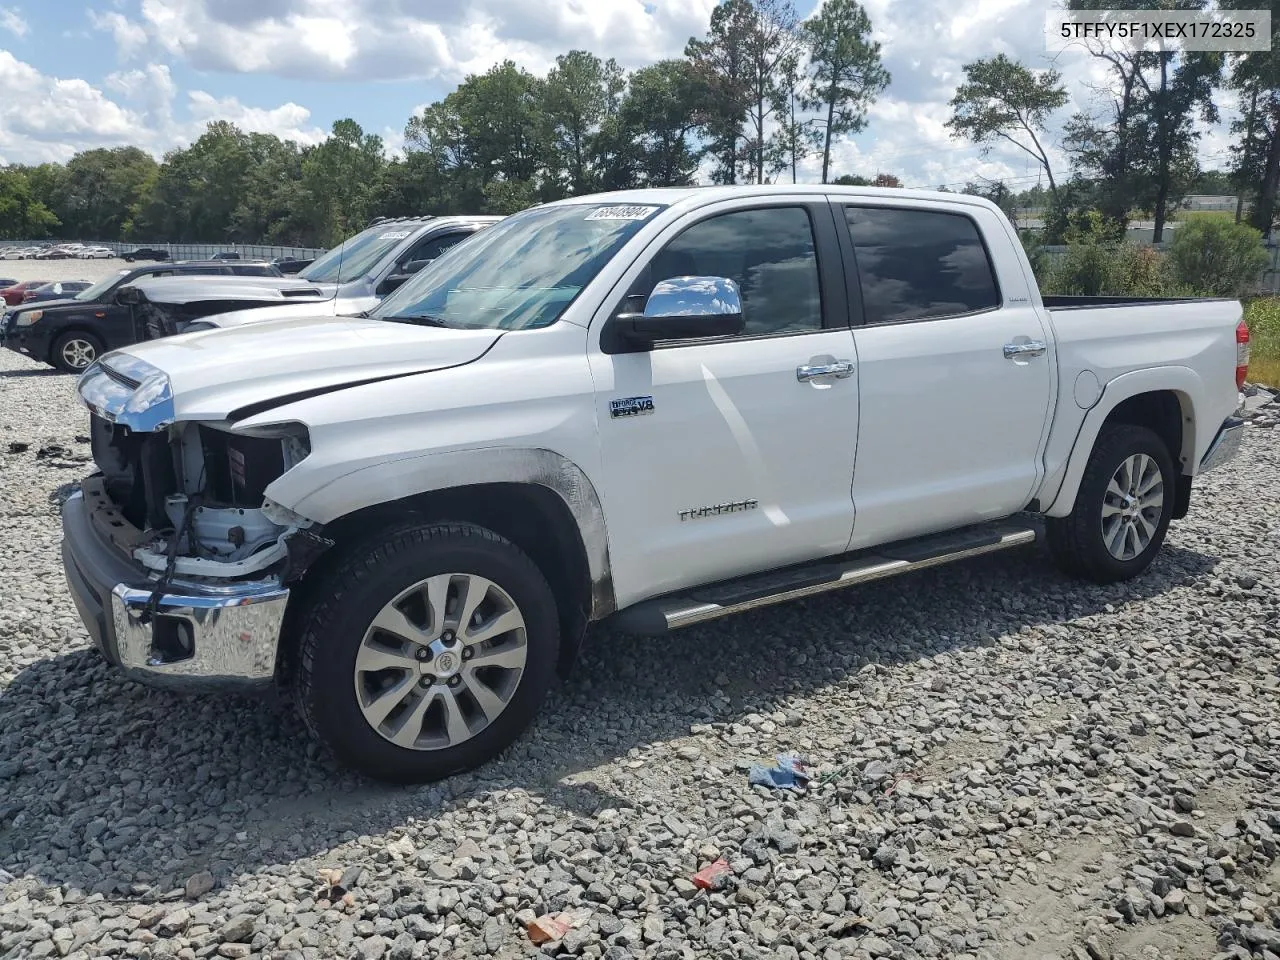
x=1184, y=382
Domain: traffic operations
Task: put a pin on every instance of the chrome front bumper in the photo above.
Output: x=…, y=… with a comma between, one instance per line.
x=1225, y=445
x=199, y=635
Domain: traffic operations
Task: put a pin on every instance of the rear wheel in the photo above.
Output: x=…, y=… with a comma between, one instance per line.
x=1122, y=509
x=75, y=350
x=427, y=652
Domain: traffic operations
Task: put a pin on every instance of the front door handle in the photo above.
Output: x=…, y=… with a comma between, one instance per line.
x=1024, y=350
x=838, y=369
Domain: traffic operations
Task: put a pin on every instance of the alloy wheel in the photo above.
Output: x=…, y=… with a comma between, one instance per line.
x=441, y=661
x=1132, y=506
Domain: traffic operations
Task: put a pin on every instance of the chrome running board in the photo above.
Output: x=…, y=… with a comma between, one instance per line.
x=664, y=614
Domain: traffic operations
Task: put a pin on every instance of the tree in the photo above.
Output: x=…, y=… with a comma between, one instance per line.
x=851, y=180
x=847, y=72
x=796, y=138
x=22, y=215
x=772, y=54
x=1001, y=99
x=338, y=176
x=581, y=93
x=1145, y=153
x=886, y=180
x=1255, y=77
x=99, y=190
x=720, y=64
x=492, y=127
x=659, y=116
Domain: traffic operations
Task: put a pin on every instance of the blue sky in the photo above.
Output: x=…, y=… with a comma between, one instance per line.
x=76, y=74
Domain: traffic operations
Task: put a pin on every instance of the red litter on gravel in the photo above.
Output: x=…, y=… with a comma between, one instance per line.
x=713, y=877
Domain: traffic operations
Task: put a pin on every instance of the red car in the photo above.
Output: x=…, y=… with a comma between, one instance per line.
x=13, y=295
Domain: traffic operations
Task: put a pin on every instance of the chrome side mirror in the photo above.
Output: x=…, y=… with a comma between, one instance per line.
x=681, y=308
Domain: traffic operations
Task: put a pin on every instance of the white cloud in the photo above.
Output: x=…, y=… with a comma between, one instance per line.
x=130, y=37
x=11, y=21
x=402, y=39
x=288, y=121
x=44, y=118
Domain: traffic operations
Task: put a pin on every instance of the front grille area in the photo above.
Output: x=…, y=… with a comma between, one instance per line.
x=137, y=469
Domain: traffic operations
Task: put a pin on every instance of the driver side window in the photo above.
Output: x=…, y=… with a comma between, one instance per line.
x=769, y=252
x=433, y=247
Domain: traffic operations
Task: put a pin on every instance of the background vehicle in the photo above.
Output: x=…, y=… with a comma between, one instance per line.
x=14, y=293
x=225, y=255
x=7, y=282
x=58, y=253
x=56, y=290
x=653, y=407
x=366, y=267
x=145, y=253
x=292, y=264
x=14, y=253
x=95, y=253
x=71, y=333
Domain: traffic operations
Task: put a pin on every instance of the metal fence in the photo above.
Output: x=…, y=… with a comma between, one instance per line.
x=191, y=251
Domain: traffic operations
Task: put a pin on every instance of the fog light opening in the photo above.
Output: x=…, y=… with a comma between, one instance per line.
x=172, y=640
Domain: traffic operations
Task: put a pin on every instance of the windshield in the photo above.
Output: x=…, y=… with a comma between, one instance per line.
x=355, y=256
x=520, y=273
x=101, y=287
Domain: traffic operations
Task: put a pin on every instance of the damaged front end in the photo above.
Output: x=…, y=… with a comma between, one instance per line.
x=178, y=562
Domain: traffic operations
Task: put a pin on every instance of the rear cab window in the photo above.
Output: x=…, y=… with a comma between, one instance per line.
x=920, y=264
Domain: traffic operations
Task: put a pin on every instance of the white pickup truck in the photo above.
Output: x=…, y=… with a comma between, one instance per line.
x=654, y=408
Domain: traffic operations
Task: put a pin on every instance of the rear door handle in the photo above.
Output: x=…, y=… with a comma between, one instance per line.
x=1020, y=351
x=839, y=370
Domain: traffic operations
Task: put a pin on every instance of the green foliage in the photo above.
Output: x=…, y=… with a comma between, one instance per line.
x=1218, y=257
x=1003, y=100
x=1098, y=266
x=851, y=180
x=1263, y=317
x=22, y=214
x=1084, y=270
x=1033, y=246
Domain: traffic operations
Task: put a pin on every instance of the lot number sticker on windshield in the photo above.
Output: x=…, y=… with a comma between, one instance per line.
x=621, y=213
x=394, y=235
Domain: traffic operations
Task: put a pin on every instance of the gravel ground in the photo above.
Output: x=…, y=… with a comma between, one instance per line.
x=1019, y=766
x=51, y=270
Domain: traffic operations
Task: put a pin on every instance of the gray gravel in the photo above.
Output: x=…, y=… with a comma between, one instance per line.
x=1017, y=766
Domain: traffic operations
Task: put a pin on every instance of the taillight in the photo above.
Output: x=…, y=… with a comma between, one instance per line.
x=1242, y=354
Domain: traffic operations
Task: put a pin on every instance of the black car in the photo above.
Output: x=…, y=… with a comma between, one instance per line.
x=71, y=333
x=226, y=255
x=146, y=253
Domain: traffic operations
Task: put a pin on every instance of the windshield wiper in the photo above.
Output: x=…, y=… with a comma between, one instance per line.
x=421, y=319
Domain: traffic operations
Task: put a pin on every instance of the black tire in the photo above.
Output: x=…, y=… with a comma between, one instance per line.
x=128, y=259
x=75, y=350
x=1076, y=540
x=339, y=608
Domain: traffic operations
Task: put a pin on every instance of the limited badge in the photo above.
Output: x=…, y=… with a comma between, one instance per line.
x=630, y=407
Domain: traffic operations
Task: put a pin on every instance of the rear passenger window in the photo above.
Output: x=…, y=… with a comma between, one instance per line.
x=770, y=253
x=915, y=264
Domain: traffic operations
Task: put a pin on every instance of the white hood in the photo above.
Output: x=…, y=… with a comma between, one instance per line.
x=212, y=373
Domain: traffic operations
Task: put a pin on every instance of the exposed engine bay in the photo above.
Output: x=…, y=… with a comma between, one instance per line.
x=196, y=496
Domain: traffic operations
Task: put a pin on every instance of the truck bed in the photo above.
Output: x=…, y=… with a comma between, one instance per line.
x=1076, y=302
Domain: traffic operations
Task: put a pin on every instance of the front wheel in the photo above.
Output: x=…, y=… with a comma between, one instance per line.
x=1122, y=509
x=426, y=652
x=75, y=350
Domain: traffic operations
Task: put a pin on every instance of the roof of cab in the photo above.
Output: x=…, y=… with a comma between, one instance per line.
x=696, y=196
